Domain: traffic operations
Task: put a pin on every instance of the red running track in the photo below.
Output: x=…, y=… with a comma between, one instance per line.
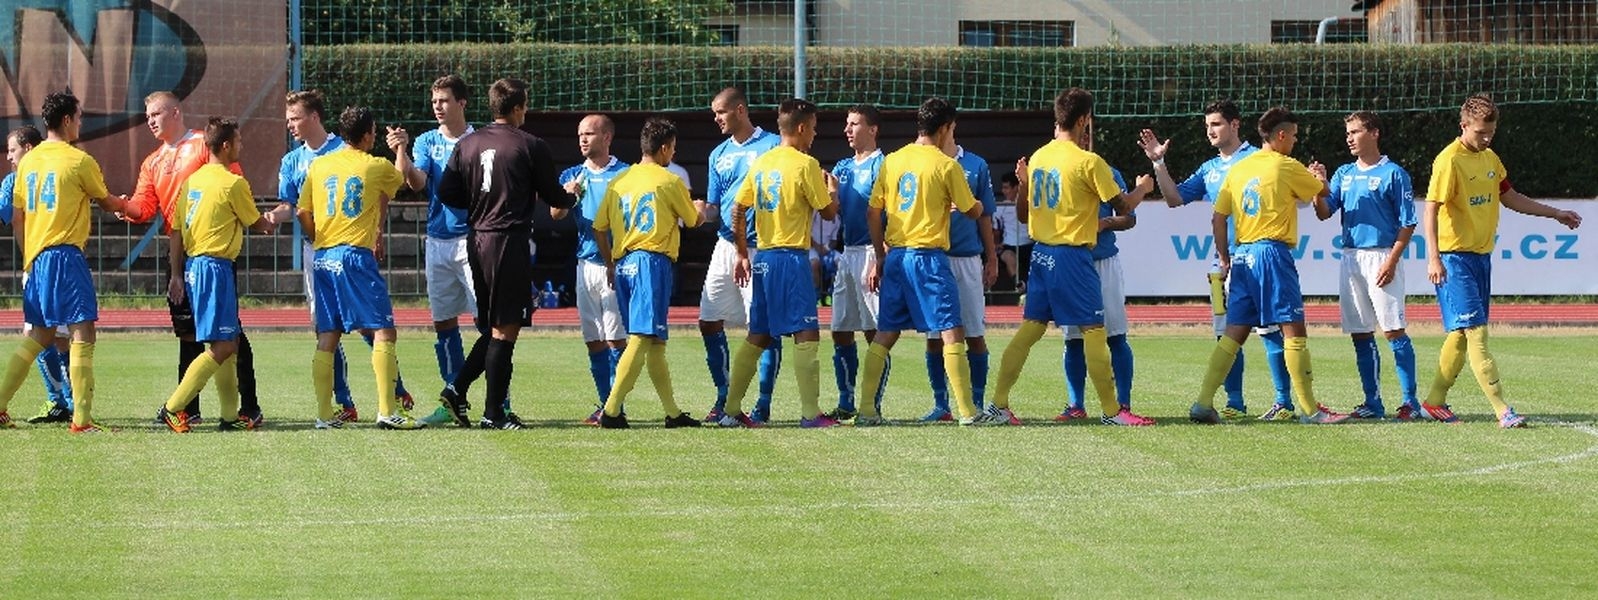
x=1178, y=314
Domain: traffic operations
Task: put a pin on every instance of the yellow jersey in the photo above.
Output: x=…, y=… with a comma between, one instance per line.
x=1261, y=194
x=786, y=188
x=1067, y=184
x=344, y=192
x=914, y=190
x=55, y=184
x=214, y=206
x=1467, y=184
x=641, y=208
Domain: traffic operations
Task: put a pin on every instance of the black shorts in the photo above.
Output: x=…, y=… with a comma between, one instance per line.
x=502, y=277
x=182, y=317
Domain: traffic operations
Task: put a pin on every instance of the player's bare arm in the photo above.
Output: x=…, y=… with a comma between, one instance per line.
x=1126, y=202
x=874, y=227
x=831, y=210
x=740, y=242
x=1518, y=202
x=398, y=140
x=1223, y=242
x=1023, y=206
x=176, y=254
x=1434, y=258
x=1390, y=266
x=1155, y=150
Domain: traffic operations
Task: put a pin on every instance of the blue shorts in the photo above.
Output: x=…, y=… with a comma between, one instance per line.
x=59, y=289
x=917, y=292
x=643, y=292
x=214, y=298
x=1063, y=286
x=350, y=291
x=1264, y=286
x=784, y=298
x=1467, y=294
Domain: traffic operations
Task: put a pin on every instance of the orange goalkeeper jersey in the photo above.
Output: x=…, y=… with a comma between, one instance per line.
x=162, y=174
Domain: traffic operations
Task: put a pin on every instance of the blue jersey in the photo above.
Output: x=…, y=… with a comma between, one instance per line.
x=1105, y=246
x=588, y=203
x=291, y=173
x=430, y=154
x=1205, y=183
x=964, y=239
x=7, y=187
x=855, y=179
x=729, y=162
x=1376, y=202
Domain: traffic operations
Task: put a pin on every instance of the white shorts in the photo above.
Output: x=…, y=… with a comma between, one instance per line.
x=968, y=280
x=449, y=279
x=721, y=299
x=1112, y=289
x=596, y=304
x=854, y=308
x=1365, y=306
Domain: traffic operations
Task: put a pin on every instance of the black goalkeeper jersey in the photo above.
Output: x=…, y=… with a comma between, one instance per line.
x=496, y=174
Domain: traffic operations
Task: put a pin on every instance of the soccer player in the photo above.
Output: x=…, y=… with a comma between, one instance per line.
x=1107, y=262
x=1222, y=123
x=1378, y=216
x=213, y=208
x=1259, y=194
x=1460, y=218
x=51, y=222
x=495, y=175
x=597, y=308
x=787, y=189
x=854, y=306
x=721, y=299
x=162, y=174
x=975, y=265
x=1064, y=184
x=909, y=212
x=637, y=237
x=343, y=209
x=1012, y=232
x=52, y=361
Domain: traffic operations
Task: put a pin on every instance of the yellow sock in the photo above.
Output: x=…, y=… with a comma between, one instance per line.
x=627, y=370
x=744, y=364
x=871, y=379
x=1450, y=362
x=1481, y=362
x=194, y=379
x=227, y=387
x=1097, y=352
x=17, y=370
x=1295, y=350
x=322, y=382
x=1221, y=359
x=82, y=374
x=385, y=365
x=660, y=375
x=1014, y=358
x=807, y=368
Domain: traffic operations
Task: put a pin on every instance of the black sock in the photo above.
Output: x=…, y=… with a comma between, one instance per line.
x=472, y=368
x=249, y=403
x=498, y=372
x=187, y=353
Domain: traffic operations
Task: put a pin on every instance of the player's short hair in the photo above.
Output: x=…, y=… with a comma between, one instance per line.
x=1009, y=178
x=26, y=135
x=57, y=107
x=657, y=132
x=355, y=122
x=219, y=131
x=1071, y=106
x=1274, y=119
x=505, y=95
x=733, y=96
x=161, y=95
x=1367, y=119
x=310, y=100
x=606, y=125
x=1224, y=107
x=934, y=114
x=792, y=112
x=456, y=86
x=868, y=113
x=1479, y=106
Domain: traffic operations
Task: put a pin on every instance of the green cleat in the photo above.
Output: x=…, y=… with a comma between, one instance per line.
x=51, y=413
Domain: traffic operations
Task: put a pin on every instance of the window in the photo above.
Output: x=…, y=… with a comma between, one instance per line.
x=726, y=35
x=990, y=34
x=1344, y=31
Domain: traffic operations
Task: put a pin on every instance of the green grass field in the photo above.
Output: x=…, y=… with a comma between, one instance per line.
x=561, y=510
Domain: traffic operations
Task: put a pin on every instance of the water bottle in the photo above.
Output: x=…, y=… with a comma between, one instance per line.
x=1217, y=289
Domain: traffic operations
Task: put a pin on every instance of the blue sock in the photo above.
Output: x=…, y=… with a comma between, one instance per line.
x=845, y=366
x=1404, y=364
x=716, y=360
x=1121, y=367
x=399, y=382
x=599, y=367
x=49, y=362
x=1234, y=384
x=341, y=383
x=449, y=352
x=770, y=367
x=939, y=381
x=1369, y=362
x=1076, y=372
x=1276, y=358
x=614, y=355
x=979, y=377
x=66, y=378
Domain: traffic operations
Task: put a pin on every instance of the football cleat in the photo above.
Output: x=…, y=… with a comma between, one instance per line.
x=1071, y=414
x=616, y=422
x=1004, y=414
x=712, y=417
x=51, y=413
x=937, y=415
x=593, y=417
x=348, y=414
x=1199, y=413
x=333, y=423
x=1279, y=412
x=506, y=423
x=1511, y=420
x=1441, y=414
x=1233, y=414
x=87, y=428
x=456, y=405
x=681, y=420
x=1323, y=416
x=178, y=422
x=739, y=420
x=5, y=421
x=406, y=401
x=1365, y=412
x=239, y=424
x=821, y=421
x=839, y=414
x=253, y=416
x=1126, y=418
x=871, y=421
x=400, y=421
x=983, y=419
